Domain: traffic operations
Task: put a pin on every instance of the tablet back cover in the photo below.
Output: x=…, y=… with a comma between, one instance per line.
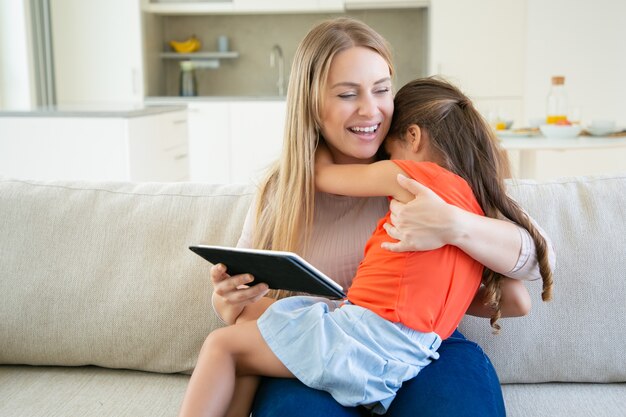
x=280, y=270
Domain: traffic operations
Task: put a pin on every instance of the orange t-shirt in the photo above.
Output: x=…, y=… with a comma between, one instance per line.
x=428, y=291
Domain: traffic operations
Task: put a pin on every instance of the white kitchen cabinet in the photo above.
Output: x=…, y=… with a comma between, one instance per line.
x=242, y=6
x=209, y=141
x=158, y=147
x=143, y=148
x=234, y=141
x=256, y=133
x=287, y=6
x=480, y=46
x=98, y=55
x=384, y=4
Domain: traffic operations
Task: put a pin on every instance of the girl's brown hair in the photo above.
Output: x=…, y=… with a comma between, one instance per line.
x=285, y=201
x=463, y=142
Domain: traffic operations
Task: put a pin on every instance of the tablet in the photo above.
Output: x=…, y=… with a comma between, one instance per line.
x=279, y=270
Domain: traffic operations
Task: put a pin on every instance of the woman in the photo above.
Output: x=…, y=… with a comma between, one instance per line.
x=349, y=103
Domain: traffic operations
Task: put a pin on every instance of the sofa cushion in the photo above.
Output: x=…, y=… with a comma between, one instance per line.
x=580, y=335
x=88, y=392
x=565, y=399
x=101, y=274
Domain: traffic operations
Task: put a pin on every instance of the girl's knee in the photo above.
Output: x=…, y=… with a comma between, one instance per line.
x=216, y=340
x=233, y=338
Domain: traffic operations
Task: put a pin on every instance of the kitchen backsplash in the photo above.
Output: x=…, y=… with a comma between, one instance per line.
x=253, y=37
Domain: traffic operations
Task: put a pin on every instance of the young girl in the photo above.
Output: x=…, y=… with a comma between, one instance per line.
x=400, y=305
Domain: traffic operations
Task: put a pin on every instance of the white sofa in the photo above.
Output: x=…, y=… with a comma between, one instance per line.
x=104, y=308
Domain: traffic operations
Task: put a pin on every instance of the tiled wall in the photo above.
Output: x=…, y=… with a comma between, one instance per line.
x=253, y=37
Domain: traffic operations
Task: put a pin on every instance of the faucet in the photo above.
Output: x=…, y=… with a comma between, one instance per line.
x=278, y=52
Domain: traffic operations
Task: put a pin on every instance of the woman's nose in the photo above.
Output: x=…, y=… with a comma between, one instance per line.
x=368, y=106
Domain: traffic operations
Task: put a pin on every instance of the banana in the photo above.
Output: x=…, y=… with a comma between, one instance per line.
x=189, y=45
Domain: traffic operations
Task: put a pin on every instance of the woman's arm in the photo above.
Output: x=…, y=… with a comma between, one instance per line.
x=514, y=302
x=427, y=222
x=232, y=299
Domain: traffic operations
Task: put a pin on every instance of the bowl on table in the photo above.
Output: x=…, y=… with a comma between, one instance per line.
x=601, y=127
x=560, y=131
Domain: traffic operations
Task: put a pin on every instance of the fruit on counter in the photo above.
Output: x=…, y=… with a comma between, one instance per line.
x=555, y=119
x=189, y=45
x=563, y=122
x=500, y=124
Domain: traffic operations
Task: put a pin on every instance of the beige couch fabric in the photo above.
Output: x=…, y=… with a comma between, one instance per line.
x=565, y=399
x=101, y=274
x=580, y=335
x=88, y=392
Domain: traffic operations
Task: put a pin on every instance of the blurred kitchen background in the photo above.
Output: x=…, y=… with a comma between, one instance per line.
x=91, y=89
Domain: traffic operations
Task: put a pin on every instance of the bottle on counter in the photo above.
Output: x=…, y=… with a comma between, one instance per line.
x=557, y=101
x=187, y=85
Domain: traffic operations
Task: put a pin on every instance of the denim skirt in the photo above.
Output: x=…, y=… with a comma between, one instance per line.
x=357, y=356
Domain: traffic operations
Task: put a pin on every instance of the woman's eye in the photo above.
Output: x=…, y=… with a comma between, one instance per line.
x=347, y=95
x=383, y=90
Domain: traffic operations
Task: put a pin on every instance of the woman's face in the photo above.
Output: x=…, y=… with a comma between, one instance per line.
x=357, y=105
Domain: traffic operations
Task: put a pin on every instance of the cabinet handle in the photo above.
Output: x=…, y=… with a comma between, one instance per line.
x=180, y=156
x=178, y=122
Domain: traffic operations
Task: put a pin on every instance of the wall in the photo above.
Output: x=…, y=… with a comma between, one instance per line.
x=254, y=35
x=584, y=41
x=478, y=45
x=16, y=75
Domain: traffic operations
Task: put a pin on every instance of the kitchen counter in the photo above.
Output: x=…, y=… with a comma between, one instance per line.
x=542, y=143
x=93, y=110
x=95, y=142
x=528, y=148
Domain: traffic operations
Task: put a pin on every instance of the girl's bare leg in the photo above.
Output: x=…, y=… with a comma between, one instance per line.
x=237, y=350
x=243, y=396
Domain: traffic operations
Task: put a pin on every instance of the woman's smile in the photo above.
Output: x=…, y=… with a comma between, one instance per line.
x=366, y=132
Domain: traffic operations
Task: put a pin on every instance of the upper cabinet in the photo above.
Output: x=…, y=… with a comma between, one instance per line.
x=287, y=6
x=384, y=4
x=98, y=53
x=272, y=6
x=240, y=6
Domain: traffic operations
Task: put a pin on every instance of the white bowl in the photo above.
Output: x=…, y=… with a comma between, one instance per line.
x=560, y=131
x=601, y=127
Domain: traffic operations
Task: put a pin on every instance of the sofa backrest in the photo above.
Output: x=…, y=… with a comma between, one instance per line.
x=580, y=335
x=101, y=274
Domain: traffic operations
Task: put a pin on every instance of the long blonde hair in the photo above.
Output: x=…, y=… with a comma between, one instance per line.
x=285, y=201
x=464, y=143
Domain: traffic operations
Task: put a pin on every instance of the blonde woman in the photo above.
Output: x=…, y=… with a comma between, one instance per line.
x=340, y=92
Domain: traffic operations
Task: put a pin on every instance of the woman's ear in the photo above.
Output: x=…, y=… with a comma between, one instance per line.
x=414, y=137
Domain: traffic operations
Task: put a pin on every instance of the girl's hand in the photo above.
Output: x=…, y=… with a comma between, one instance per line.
x=425, y=223
x=231, y=294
